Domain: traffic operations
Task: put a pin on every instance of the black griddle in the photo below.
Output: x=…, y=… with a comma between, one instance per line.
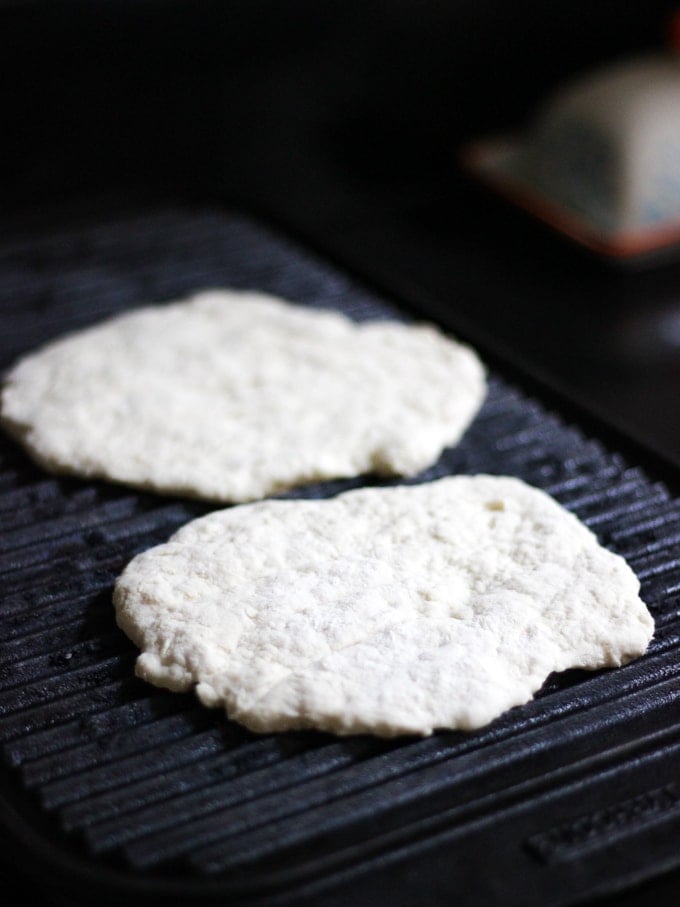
x=112, y=789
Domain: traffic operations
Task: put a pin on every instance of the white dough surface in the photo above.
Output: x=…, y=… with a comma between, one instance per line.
x=233, y=396
x=384, y=610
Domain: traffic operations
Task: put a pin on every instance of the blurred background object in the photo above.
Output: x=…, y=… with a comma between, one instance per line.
x=601, y=160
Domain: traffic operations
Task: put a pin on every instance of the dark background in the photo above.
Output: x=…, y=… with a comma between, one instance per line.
x=306, y=107
x=342, y=121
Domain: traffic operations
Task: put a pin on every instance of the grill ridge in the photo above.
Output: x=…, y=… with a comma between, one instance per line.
x=250, y=792
x=500, y=751
x=23, y=628
x=40, y=744
x=227, y=853
x=114, y=746
x=118, y=801
x=130, y=768
x=53, y=662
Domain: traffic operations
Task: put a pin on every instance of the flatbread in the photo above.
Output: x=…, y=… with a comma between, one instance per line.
x=384, y=610
x=233, y=396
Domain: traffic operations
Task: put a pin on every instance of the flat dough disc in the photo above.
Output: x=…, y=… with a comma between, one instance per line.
x=385, y=610
x=234, y=396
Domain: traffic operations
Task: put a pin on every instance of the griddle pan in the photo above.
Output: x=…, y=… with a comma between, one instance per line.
x=111, y=789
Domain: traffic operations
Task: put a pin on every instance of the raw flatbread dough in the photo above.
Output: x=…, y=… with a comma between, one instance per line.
x=385, y=610
x=234, y=396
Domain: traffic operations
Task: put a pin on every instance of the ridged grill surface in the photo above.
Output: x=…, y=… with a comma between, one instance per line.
x=147, y=780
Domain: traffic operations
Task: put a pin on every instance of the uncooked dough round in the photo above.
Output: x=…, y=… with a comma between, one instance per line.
x=234, y=396
x=383, y=610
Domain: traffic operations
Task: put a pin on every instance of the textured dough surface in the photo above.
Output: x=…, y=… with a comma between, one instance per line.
x=383, y=610
x=234, y=396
